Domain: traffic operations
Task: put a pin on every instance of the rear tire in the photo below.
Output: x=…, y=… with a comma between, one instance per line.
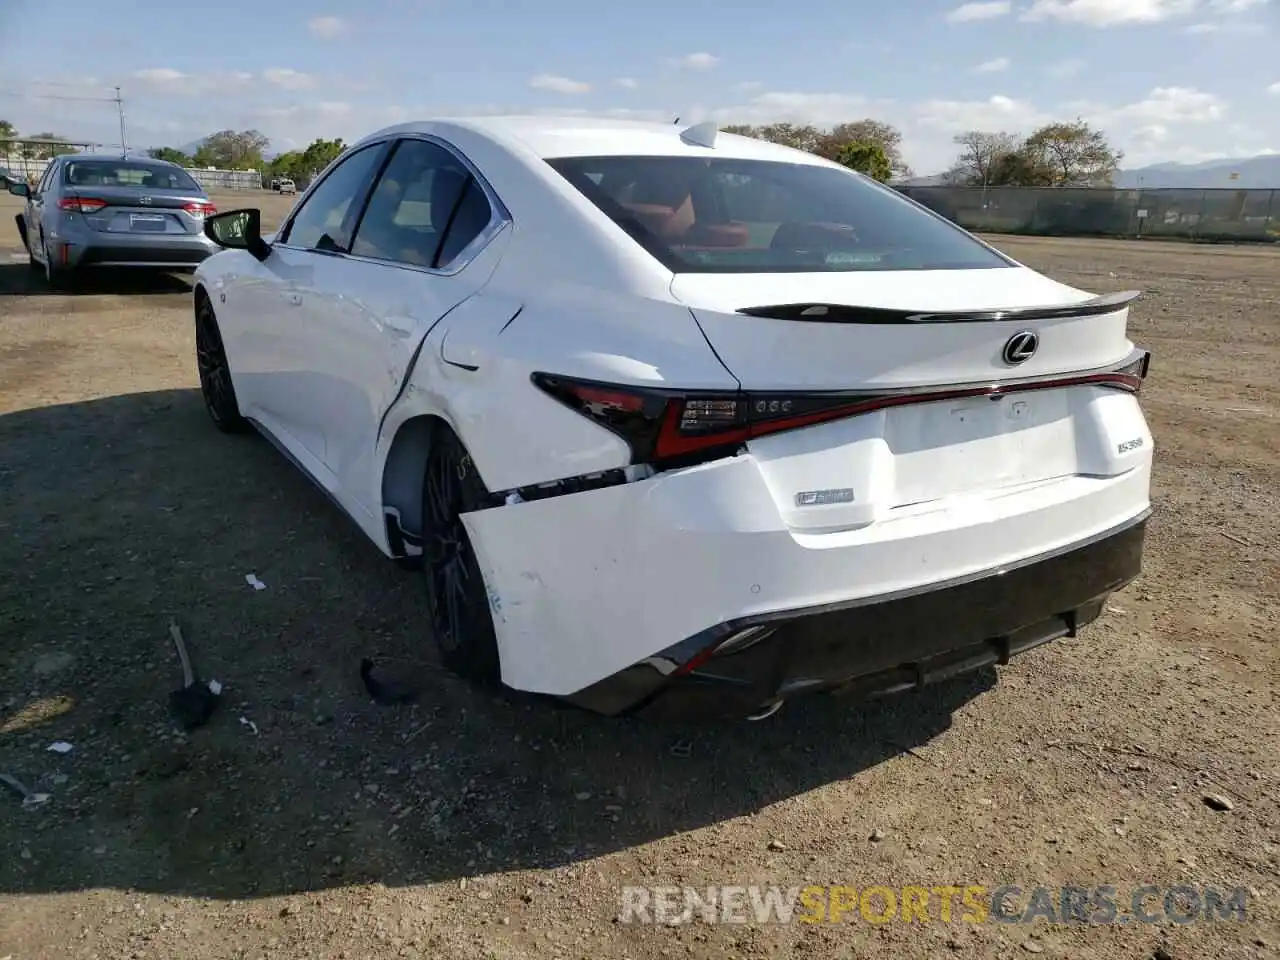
x=461, y=620
x=58, y=278
x=216, y=386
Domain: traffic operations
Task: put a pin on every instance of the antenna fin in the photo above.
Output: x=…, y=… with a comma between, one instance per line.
x=701, y=134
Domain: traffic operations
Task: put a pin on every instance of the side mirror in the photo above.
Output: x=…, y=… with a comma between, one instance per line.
x=238, y=230
x=19, y=189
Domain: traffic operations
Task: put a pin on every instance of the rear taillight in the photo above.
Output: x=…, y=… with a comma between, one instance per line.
x=81, y=204
x=664, y=425
x=200, y=208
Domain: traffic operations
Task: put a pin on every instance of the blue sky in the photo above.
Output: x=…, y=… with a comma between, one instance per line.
x=1180, y=80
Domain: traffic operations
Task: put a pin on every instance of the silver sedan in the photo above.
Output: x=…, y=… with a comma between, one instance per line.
x=112, y=211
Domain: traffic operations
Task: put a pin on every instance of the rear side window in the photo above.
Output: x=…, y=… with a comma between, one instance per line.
x=123, y=173
x=724, y=215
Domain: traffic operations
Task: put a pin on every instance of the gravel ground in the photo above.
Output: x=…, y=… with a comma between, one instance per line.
x=306, y=821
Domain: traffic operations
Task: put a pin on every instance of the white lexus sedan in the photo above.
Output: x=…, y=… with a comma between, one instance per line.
x=675, y=418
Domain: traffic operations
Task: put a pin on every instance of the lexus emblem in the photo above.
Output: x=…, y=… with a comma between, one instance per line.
x=1020, y=347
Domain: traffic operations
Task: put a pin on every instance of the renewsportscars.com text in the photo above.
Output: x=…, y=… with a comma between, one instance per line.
x=974, y=903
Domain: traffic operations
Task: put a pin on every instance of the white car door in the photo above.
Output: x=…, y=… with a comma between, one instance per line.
x=420, y=247
x=284, y=326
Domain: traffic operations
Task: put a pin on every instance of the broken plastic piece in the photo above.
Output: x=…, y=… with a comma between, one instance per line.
x=245, y=721
x=252, y=580
x=29, y=799
x=60, y=746
x=215, y=688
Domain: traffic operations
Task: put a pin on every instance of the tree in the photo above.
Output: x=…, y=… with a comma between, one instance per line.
x=170, y=154
x=866, y=131
x=1078, y=155
x=304, y=164
x=232, y=150
x=867, y=156
x=320, y=154
x=982, y=157
x=830, y=143
x=7, y=130
x=1020, y=169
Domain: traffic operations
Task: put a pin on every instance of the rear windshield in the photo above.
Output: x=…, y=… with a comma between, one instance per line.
x=761, y=216
x=125, y=173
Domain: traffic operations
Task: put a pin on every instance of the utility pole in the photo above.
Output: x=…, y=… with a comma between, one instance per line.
x=120, y=112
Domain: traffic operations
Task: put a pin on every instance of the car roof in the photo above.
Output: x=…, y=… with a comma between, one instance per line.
x=117, y=158
x=579, y=136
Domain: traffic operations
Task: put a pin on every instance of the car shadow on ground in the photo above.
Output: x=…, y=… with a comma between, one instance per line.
x=124, y=512
x=18, y=278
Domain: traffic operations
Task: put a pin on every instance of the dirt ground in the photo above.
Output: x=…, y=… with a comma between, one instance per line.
x=305, y=821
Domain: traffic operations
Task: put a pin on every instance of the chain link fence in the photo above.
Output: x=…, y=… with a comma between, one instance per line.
x=1225, y=215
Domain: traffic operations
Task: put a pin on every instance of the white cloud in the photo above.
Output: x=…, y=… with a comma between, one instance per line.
x=326, y=28
x=998, y=65
x=982, y=10
x=289, y=79
x=1064, y=69
x=1240, y=28
x=626, y=83
x=696, y=61
x=1169, y=105
x=1236, y=6
x=1106, y=13
x=167, y=80
x=992, y=115
x=548, y=81
x=1274, y=89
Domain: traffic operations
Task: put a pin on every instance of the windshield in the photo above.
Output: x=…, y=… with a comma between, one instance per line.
x=761, y=216
x=126, y=173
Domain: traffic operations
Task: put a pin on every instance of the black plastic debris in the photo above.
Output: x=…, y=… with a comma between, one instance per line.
x=386, y=693
x=194, y=703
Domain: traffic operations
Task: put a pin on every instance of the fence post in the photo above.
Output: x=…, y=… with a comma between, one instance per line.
x=1195, y=229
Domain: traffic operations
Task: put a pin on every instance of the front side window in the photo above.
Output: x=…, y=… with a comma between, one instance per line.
x=126, y=173
x=726, y=215
x=424, y=210
x=321, y=223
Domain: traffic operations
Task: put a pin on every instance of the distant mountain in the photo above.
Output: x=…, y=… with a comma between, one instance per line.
x=1253, y=173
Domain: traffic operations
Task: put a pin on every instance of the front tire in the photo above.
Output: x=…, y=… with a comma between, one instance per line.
x=461, y=620
x=216, y=386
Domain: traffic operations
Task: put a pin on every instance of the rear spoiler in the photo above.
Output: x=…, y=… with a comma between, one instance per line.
x=845, y=313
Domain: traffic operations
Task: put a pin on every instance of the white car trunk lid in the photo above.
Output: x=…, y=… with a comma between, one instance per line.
x=816, y=353
x=877, y=336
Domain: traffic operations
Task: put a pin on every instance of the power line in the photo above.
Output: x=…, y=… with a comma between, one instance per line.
x=54, y=96
x=117, y=100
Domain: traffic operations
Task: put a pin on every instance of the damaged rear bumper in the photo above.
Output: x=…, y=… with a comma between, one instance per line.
x=877, y=647
x=601, y=596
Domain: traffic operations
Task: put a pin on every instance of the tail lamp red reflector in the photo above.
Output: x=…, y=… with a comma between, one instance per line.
x=200, y=208
x=663, y=424
x=81, y=204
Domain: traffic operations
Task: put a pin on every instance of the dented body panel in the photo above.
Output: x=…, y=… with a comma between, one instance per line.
x=585, y=585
